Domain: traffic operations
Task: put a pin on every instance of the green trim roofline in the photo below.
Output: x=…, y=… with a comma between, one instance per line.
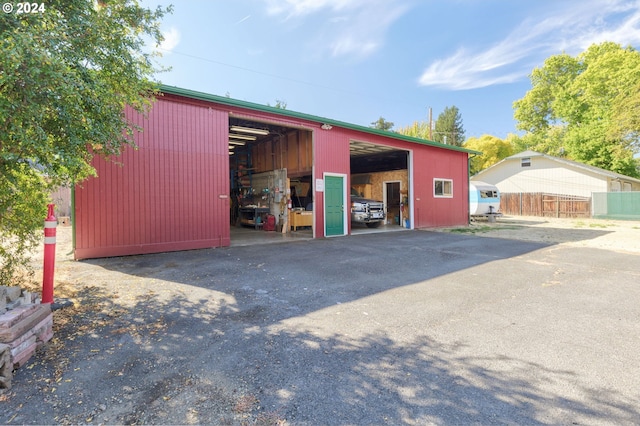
x=172, y=90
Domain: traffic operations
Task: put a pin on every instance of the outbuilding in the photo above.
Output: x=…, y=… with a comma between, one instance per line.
x=205, y=164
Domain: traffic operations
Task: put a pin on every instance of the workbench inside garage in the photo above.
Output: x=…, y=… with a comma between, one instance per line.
x=299, y=218
x=253, y=216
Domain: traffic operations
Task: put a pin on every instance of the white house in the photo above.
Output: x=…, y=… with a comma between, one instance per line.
x=533, y=172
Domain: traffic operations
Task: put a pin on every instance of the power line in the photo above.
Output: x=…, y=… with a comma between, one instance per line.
x=259, y=72
x=290, y=79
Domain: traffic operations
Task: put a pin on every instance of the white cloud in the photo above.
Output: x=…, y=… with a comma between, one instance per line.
x=243, y=19
x=464, y=70
x=355, y=28
x=571, y=29
x=346, y=45
x=627, y=32
x=293, y=8
x=171, y=40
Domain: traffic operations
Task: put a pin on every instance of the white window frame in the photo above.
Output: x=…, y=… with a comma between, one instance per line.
x=444, y=194
x=525, y=162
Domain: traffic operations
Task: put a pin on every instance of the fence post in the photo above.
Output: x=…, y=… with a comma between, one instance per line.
x=50, y=224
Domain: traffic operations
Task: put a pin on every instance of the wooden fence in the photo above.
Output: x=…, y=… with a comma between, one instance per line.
x=61, y=197
x=543, y=204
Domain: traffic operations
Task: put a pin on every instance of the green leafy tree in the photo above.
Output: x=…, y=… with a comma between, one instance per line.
x=419, y=129
x=280, y=104
x=67, y=73
x=22, y=200
x=626, y=110
x=448, y=127
x=493, y=150
x=583, y=107
x=549, y=142
x=382, y=124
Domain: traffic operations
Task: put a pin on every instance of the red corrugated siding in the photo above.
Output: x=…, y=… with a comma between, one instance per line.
x=430, y=163
x=163, y=196
x=330, y=155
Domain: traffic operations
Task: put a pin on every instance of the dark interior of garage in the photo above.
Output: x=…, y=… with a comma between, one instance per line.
x=271, y=171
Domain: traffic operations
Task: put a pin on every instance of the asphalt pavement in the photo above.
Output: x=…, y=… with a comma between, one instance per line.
x=412, y=327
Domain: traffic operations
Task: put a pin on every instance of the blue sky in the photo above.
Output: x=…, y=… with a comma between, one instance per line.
x=358, y=60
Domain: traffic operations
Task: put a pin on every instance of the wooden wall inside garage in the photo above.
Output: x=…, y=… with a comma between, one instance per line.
x=379, y=178
x=292, y=151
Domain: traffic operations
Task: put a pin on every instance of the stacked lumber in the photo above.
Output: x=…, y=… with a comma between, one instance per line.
x=23, y=330
x=12, y=297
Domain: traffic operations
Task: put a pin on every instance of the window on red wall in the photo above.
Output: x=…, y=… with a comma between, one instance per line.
x=442, y=188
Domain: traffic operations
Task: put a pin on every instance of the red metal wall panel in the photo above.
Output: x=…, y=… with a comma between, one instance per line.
x=169, y=194
x=429, y=211
x=330, y=155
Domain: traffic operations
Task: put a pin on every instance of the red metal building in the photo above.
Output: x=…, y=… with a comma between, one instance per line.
x=201, y=157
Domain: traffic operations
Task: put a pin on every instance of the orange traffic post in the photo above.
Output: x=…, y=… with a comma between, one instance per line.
x=50, y=224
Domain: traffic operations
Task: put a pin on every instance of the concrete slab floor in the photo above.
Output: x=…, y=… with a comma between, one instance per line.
x=246, y=235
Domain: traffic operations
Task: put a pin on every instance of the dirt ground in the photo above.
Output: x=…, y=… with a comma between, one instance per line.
x=100, y=302
x=616, y=235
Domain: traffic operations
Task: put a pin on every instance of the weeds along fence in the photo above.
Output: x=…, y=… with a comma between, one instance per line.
x=544, y=204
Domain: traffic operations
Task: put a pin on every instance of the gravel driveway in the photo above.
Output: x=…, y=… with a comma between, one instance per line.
x=416, y=327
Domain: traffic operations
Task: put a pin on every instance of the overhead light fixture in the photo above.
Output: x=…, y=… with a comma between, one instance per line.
x=236, y=142
x=243, y=137
x=250, y=130
x=326, y=126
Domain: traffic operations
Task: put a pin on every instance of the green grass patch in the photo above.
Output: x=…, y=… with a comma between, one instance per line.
x=468, y=230
x=581, y=224
x=599, y=225
x=480, y=229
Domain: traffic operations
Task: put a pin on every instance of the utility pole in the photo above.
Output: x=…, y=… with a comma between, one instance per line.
x=430, y=124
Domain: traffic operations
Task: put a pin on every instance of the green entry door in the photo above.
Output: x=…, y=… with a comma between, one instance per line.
x=334, y=205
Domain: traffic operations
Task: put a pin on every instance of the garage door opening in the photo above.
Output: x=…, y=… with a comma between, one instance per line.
x=269, y=165
x=380, y=174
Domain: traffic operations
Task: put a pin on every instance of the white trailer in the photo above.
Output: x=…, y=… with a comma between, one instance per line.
x=484, y=200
